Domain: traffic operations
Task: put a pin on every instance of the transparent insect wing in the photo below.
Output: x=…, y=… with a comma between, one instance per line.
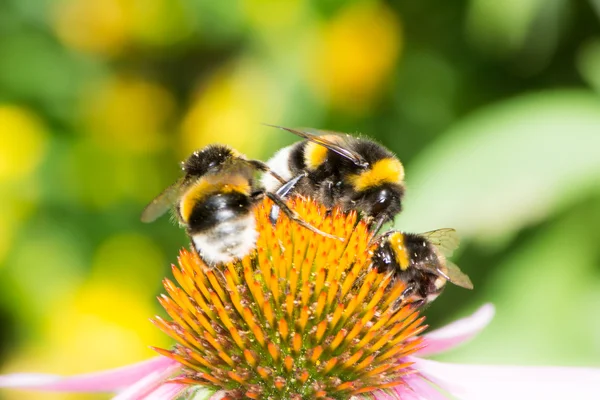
x=457, y=277
x=446, y=240
x=162, y=203
x=314, y=135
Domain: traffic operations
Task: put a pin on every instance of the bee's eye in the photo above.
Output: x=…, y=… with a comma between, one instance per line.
x=382, y=202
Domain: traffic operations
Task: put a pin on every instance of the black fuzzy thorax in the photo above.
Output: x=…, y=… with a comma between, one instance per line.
x=328, y=182
x=218, y=208
x=209, y=159
x=421, y=253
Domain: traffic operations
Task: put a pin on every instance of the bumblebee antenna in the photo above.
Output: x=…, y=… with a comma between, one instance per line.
x=261, y=166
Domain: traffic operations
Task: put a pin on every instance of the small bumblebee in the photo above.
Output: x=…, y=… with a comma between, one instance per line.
x=420, y=261
x=214, y=202
x=340, y=170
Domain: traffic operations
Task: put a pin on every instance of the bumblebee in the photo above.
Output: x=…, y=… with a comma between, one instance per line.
x=214, y=201
x=419, y=260
x=340, y=170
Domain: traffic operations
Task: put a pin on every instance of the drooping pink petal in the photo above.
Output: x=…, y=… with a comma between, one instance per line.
x=424, y=389
x=166, y=391
x=106, y=381
x=415, y=389
x=456, y=333
x=476, y=382
x=218, y=395
x=148, y=384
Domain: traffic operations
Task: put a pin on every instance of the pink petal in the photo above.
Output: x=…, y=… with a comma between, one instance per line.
x=424, y=389
x=167, y=391
x=457, y=332
x=415, y=389
x=476, y=382
x=105, y=381
x=148, y=384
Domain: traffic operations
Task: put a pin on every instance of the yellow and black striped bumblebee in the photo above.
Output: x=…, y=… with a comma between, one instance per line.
x=214, y=202
x=419, y=260
x=340, y=170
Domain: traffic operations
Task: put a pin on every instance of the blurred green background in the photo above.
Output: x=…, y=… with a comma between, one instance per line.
x=493, y=106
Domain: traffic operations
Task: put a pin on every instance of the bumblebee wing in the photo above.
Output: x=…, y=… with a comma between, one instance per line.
x=456, y=276
x=452, y=274
x=446, y=240
x=307, y=133
x=162, y=203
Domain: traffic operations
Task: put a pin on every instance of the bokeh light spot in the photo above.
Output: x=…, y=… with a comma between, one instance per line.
x=229, y=107
x=22, y=142
x=129, y=261
x=359, y=49
x=99, y=27
x=129, y=114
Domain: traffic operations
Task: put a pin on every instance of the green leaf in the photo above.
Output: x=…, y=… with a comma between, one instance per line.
x=547, y=296
x=507, y=166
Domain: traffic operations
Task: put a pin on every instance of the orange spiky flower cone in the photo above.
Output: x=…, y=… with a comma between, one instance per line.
x=304, y=316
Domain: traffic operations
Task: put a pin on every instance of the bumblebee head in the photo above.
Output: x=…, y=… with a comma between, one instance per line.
x=379, y=188
x=382, y=201
x=208, y=159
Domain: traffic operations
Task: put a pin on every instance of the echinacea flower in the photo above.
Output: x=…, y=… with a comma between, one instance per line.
x=303, y=317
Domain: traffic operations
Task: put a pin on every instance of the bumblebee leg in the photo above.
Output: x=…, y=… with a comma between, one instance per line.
x=282, y=192
x=375, y=228
x=417, y=303
x=291, y=214
x=261, y=166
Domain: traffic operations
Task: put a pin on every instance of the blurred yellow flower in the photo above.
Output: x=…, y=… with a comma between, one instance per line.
x=111, y=309
x=92, y=26
x=268, y=14
x=23, y=141
x=131, y=262
x=7, y=230
x=231, y=107
x=129, y=114
x=106, y=27
x=15, y=207
x=100, y=313
x=160, y=22
x=100, y=177
x=359, y=48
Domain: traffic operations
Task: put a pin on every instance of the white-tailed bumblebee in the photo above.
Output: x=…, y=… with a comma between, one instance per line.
x=340, y=170
x=214, y=202
x=419, y=260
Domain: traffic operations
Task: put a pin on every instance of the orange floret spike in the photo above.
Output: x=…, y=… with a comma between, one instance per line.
x=303, y=318
x=289, y=305
x=315, y=354
x=288, y=364
x=302, y=315
x=274, y=351
x=283, y=329
x=296, y=343
x=250, y=357
x=329, y=364
x=320, y=304
x=321, y=329
x=275, y=290
x=319, y=281
x=349, y=363
x=337, y=340
x=304, y=375
x=268, y=312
